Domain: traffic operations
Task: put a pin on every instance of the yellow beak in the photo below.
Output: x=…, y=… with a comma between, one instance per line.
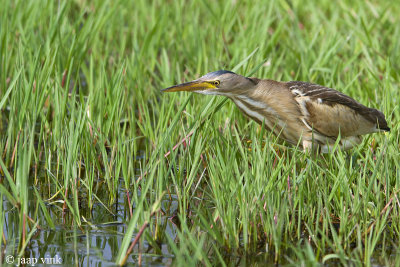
x=190, y=86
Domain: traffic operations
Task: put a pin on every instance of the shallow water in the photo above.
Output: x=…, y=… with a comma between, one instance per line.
x=94, y=244
x=97, y=242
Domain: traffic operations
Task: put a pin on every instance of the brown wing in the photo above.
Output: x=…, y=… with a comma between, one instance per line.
x=330, y=111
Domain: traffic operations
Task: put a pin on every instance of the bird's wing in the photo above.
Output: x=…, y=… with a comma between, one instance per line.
x=329, y=111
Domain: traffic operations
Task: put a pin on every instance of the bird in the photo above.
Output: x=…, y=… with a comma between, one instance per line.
x=303, y=114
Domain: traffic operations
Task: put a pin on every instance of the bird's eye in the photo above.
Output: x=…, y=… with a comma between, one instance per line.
x=216, y=83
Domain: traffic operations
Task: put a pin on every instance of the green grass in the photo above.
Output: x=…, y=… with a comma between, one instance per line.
x=82, y=120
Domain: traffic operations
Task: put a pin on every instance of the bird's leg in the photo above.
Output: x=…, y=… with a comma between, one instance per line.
x=307, y=145
x=313, y=147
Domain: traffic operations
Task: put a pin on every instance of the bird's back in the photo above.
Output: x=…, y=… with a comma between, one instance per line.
x=328, y=106
x=306, y=112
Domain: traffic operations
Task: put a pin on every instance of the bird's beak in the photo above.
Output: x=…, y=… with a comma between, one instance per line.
x=190, y=86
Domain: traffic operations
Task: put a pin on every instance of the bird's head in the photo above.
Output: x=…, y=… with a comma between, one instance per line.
x=220, y=82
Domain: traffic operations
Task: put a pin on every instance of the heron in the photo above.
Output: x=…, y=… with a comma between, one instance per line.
x=309, y=115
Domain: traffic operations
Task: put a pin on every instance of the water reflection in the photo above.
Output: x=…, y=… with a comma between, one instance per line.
x=96, y=243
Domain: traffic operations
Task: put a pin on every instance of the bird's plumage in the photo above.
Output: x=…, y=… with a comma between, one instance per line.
x=327, y=96
x=301, y=113
x=217, y=73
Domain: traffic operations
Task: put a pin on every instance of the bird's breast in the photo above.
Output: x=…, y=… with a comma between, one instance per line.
x=261, y=112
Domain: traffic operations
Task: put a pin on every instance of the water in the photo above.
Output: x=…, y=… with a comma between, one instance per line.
x=94, y=244
x=97, y=242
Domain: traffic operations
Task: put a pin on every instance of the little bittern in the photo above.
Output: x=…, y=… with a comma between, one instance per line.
x=303, y=113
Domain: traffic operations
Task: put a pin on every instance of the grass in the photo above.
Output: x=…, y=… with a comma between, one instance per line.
x=83, y=120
